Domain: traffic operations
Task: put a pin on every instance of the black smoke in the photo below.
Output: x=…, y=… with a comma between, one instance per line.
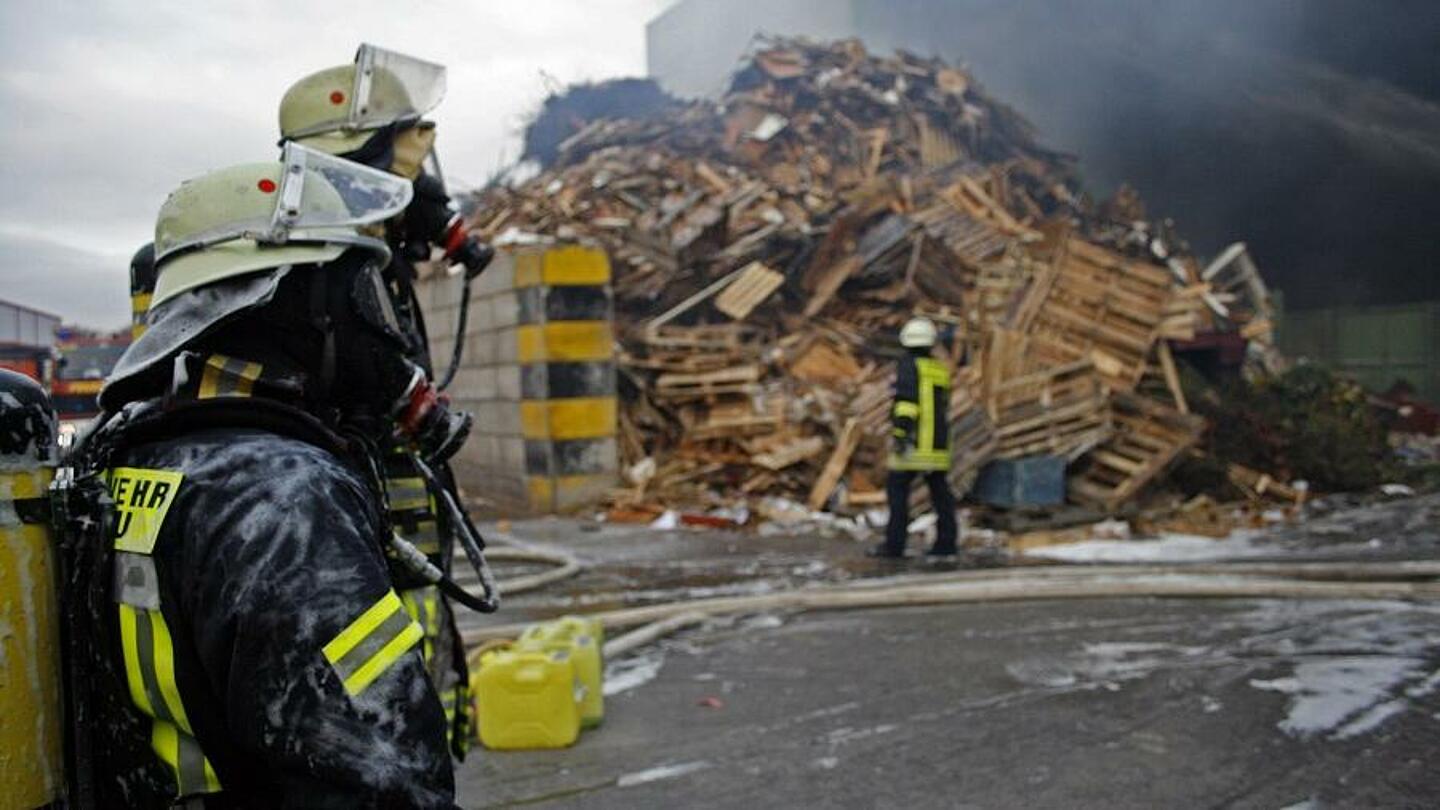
x=1309, y=129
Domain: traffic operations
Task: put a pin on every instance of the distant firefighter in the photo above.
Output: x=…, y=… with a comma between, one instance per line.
x=921, y=441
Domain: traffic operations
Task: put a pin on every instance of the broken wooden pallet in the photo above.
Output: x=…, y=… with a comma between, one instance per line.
x=1098, y=303
x=737, y=380
x=1059, y=410
x=1148, y=436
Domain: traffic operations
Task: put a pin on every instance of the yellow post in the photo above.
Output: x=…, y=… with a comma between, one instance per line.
x=31, y=773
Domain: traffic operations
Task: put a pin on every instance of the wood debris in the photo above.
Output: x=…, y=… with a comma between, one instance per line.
x=784, y=234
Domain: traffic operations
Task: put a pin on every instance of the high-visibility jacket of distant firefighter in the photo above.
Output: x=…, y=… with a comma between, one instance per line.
x=919, y=424
x=265, y=657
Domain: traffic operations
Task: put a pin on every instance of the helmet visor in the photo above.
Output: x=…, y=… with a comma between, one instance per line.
x=392, y=87
x=324, y=191
x=318, y=197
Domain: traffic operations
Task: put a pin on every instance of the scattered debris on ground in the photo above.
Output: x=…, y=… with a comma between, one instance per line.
x=768, y=246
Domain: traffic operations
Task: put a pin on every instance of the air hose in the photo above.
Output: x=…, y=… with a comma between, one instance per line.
x=470, y=540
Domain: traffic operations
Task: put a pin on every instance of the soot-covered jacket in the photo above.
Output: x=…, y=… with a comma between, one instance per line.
x=267, y=658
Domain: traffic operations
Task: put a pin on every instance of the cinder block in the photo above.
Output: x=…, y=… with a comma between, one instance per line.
x=477, y=383
x=480, y=318
x=507, y=346
x=500, y=275
x=507, y=382
x=440, y=349
x=507, y=419
x=480, y=349
x=440, y=321
x=425, y=294
x=512, y=454
x=487, y=416
x=448, y=290
x=506, y=309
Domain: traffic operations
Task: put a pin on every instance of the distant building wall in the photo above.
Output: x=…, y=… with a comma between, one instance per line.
x=27, y=338
x=25, y=326
x=1375, y=345
x=538, y=374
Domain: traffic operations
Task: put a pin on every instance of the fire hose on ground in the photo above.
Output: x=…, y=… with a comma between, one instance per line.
x=1408, y=580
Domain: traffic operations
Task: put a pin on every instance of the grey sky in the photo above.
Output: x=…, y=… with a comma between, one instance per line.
x=108, y=105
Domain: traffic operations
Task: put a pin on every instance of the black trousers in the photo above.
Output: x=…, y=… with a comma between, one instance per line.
x=897, y=490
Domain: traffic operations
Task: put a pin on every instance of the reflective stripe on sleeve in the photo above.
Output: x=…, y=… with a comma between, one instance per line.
x=193, y=772
x=149, y=654
x=905, y=409
x=363, y=651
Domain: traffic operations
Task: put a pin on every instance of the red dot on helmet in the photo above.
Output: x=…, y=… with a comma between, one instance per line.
x=337, y=97
x=266, y=185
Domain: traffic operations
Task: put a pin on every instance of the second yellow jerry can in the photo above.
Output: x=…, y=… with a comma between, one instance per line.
x=525, y=698
x=582, y=638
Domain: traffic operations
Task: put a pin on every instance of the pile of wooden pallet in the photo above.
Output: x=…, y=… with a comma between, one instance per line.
x=768, y=247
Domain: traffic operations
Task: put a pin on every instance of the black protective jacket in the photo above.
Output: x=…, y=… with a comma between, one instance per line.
x=296, y=672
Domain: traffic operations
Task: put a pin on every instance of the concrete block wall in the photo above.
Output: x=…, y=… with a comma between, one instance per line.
x=537, y=373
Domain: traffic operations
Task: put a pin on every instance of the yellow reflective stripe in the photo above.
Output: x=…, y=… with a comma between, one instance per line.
x=228, y=376
x=346, y=639
x=165, y=670
x=212, y=782
x=426, y=536
x=188, y=764
x=389, y=654
x=405, y=483
x=136, y=681
x=927, y=414
x=165, y=740
x=374, y=641
x=421, y=604
x=910, y=409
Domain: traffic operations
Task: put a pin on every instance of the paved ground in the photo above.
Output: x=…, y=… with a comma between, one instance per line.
x=1118, y=703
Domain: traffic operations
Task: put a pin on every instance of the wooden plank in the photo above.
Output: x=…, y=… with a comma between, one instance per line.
x=790, y=453
x=1172, y=377
x=835, y=467
x=755, y=283
x=833, y=277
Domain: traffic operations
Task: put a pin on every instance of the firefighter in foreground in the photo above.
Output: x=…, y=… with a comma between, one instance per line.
x=371, y=111
x=242, y=640
x=921, y=442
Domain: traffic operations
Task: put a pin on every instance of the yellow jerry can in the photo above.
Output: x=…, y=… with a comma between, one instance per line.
x=583, y=638
x=525, y=698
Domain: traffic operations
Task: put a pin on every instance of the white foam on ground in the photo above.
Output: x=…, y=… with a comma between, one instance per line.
x=660, y=772
x=1343, y=696
x=1167, y=548
x=630, y=673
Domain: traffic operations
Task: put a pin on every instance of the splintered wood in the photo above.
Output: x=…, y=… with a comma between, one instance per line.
x=1148, y=437
x=767, y=249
